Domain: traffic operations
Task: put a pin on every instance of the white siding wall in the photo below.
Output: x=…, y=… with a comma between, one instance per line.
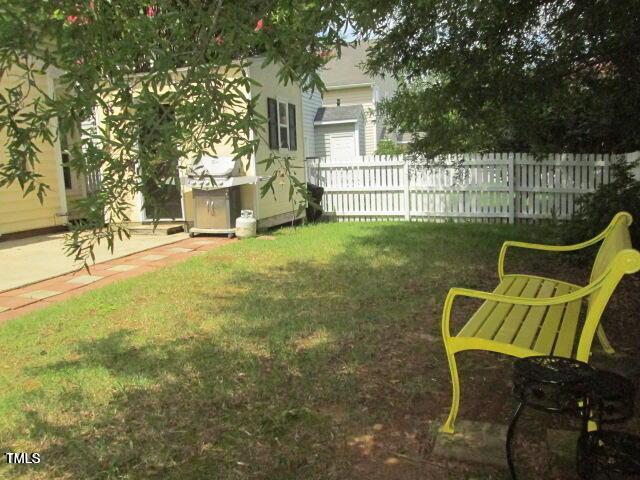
x=370, y=134
x=311, y=102
x=323, y=134
x=362, y=136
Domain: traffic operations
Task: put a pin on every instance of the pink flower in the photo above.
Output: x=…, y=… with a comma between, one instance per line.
x=259, y=25
x=152, y=11
x=80, y=18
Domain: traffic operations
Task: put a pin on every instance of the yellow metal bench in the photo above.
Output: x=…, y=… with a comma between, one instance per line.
x=529, y=315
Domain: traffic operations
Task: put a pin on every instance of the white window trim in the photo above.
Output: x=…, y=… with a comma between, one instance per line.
x=349, y=85
x=335, y=122
x=357, y=138
x=57, y=149
x=280, y=100
x=139, y=205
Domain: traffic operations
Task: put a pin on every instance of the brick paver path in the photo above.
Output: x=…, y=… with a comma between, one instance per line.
x=19, y=301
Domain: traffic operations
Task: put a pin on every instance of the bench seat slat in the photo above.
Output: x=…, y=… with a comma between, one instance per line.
x=531, y=324
x=500, y=312
x=479, y=317
x=518, y=313
x=566, y=335
x=548, y=332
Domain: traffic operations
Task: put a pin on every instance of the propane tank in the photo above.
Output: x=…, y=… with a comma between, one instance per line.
x=246, y=224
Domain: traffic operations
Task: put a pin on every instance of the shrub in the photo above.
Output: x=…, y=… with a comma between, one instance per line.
x=596, y=209
x=389, y=147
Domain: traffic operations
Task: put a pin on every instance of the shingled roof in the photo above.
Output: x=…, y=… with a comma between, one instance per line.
x=348, y=69
x=339, y=114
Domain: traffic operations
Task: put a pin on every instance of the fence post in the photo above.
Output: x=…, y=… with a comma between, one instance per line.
x=407, y=197
x=512, y=188
x=634, y=157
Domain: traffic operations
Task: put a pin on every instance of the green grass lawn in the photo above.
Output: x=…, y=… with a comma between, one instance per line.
x=313, y=355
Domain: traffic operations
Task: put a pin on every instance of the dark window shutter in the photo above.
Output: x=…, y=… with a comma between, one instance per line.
x=293, y=136
x=272, y=112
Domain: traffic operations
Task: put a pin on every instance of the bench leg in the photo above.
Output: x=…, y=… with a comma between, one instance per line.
x=455, y=399
x=604, y=341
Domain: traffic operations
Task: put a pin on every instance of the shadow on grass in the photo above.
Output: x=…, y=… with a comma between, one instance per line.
x=327, y=364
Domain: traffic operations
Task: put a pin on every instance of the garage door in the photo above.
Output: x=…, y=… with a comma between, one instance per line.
x=343, y=146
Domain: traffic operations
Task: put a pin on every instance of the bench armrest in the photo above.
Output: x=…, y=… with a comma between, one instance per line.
x=529, y=301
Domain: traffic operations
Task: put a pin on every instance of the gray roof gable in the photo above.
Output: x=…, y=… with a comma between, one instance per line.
x=347, y=70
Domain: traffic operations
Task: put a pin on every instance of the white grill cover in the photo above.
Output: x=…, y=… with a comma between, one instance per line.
x=220, y=167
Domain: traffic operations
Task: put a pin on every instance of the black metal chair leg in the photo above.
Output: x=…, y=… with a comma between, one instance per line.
x=510, y=432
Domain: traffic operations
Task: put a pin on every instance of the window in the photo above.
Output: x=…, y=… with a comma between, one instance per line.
x=66, y=171
x=282, y=125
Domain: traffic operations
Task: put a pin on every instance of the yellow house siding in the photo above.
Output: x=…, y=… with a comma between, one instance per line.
x=348, y=96
x=19, y=213
x=135, y=212
x=272, y=205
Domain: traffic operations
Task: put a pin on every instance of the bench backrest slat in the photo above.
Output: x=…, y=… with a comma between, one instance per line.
x=616, y=240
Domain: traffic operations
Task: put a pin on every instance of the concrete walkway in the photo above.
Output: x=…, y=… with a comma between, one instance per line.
x=18, y=301
x=38, y=258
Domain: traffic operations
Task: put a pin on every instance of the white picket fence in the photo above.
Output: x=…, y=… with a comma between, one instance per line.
x=507, y=187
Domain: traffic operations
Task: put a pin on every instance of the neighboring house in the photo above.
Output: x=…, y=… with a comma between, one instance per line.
x=19, y=213
x=348, y=120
